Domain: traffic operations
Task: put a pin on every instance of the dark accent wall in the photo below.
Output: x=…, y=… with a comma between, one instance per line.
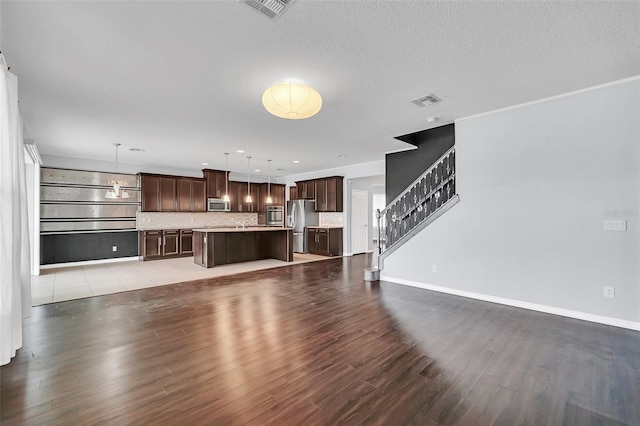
x=402, y=168
x=61, y=248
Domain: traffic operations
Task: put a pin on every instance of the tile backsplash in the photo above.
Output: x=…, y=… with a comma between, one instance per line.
x=149, y=221
x=331, y=219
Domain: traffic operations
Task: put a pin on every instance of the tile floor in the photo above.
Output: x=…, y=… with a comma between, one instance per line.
x=76, y=282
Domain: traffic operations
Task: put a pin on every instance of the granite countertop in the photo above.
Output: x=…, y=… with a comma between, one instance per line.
x=247, y=229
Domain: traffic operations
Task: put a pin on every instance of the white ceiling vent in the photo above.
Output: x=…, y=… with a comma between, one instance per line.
x=426, y=100
x=272, y=9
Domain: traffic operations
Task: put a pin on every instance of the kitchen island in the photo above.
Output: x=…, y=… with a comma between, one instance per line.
x=221, y=246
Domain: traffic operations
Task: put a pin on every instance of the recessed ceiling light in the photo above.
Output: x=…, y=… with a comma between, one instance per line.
x=256, y=170
x=296, y=161
x=240, y=151
x=205, y=164
x=342, y=155
x=432, y=119
x=280, y=170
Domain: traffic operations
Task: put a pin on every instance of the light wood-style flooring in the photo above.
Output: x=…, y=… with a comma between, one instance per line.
x=313, y=344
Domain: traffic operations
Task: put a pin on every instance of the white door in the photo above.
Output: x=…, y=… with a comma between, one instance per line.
x=359, y=221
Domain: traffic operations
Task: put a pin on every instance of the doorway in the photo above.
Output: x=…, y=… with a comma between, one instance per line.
x=359, y=221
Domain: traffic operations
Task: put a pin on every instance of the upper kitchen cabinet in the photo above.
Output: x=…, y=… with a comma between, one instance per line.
x=277, y=196
x=329, y=194
x=293, y=192
x=255, y=197
x=191, y=194
x=216, y=182
x=306, y=190
x=159, y=193
x=236, y=191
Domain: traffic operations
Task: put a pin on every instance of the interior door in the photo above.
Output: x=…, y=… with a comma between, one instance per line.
x=359, y=221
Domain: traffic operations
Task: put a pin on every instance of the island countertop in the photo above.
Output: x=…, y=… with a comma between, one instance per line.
x=220, y=246
x=240, y=229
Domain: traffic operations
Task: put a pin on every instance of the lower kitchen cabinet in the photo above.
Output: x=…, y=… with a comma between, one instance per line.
x=325, y=241
x=165, y=243
x=186, y=242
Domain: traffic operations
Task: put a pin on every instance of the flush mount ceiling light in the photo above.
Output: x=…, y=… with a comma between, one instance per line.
x=292, y=101
x=115, y=192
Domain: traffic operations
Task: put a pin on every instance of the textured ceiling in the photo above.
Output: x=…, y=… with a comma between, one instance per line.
x=184, y=80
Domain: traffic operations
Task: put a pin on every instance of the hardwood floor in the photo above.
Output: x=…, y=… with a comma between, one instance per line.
x=313, y=344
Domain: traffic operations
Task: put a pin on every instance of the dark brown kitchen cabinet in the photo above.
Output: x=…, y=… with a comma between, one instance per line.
x=151, y=245
x=216, y=182
x=329, y=194
x=306, y=189
x=186, y=242
x=277, y=196
x=293, y=192
x=235, y=194
x=325, y=241
x=167, y=194
x=170, y=242
x=191, y=195
x=243, y=191
x=255, y=196
x=166, y=243
x=149, y=186
x=159, y=193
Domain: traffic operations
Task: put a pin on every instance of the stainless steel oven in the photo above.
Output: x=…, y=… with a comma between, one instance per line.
x=275, y=216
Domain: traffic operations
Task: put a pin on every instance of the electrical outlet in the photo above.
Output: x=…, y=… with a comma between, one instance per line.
x=434, y=268
x=609, y=292
x=114, y=248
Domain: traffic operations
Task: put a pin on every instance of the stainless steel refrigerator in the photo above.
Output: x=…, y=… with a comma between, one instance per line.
x=300, y=214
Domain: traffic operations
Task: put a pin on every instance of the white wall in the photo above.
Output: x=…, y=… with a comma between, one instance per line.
x=536, y=183
x=349, y=172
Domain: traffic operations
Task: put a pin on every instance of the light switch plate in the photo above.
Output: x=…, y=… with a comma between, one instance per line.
x=614, y=225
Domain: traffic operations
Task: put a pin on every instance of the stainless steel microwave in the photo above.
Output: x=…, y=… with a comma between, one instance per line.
x=218, y=205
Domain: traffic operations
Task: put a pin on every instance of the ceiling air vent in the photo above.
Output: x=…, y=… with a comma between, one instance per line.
x=272, y=9
x=426, y=100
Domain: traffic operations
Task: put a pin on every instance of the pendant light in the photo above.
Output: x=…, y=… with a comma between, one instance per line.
x=226, y=178
x=269, y=199
x=115, y=192
x=248, y=199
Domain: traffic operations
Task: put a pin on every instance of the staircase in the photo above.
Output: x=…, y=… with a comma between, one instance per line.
x=421, y=203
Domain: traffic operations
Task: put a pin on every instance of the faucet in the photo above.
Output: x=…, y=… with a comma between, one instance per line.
x=238, y=224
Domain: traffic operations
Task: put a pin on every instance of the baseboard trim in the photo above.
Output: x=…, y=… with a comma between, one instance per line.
x=616, y=322
x=90, y=262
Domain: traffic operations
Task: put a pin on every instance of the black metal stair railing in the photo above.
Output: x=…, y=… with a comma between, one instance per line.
x=421, y=202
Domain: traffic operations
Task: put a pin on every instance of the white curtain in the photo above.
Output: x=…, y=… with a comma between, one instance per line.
x=15, y=277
